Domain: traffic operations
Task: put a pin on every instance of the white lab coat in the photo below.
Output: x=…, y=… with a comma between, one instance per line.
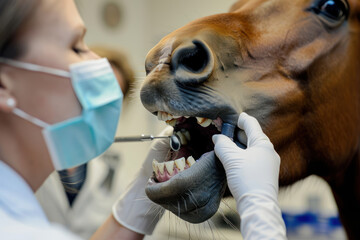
x=21, y=216
x=91, y=207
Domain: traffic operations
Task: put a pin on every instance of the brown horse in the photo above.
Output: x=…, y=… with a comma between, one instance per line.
x=294, y=65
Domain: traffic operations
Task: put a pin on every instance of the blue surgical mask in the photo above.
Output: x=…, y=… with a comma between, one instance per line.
x=77, y=140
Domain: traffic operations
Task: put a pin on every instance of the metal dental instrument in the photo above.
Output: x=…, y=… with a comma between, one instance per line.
x=175, y=143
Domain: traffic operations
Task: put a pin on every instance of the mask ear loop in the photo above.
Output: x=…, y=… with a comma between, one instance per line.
x=30, y=118
x=35, y=68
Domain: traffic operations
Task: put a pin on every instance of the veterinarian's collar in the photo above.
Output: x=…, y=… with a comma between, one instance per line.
x=17, y=200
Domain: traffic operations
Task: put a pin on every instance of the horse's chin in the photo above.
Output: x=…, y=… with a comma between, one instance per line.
x=191, y=190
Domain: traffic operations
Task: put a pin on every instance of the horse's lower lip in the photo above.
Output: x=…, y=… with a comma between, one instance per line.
x=170, y=187
x=194, y=194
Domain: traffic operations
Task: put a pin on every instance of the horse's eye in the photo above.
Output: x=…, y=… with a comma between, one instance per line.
x=335, y=10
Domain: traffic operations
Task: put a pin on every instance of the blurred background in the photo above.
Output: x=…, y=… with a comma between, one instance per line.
x=134, y=27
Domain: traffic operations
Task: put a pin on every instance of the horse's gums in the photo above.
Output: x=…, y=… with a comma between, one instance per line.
x=295, y=70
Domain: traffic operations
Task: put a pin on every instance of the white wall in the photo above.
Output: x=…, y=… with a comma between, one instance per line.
x=145, y=22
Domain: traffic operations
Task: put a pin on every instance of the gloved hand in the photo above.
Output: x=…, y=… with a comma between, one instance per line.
x=134, y=210
x=252, y=176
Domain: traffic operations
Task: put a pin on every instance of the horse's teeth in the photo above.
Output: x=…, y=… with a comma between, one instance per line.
x=169, y=116
x=182, y=137
x=206, y=123
x=191, y=161
x=186, y=133
x=180, y=164
x=164, y=116
x=171, y=122
x=170, y=167
x=200, y=120
x=161, y=167
x=155, y=165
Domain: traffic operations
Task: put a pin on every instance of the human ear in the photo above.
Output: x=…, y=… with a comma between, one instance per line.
x=7, y=101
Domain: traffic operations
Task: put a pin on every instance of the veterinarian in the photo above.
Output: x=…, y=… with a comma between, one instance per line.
x=59, y=108
x=81, y=198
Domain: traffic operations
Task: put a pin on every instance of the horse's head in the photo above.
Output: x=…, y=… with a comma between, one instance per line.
x=294, y=65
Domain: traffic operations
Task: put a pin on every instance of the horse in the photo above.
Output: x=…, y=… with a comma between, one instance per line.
x=293, y=65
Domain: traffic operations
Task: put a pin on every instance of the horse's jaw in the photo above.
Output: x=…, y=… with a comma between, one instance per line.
x=190, y=182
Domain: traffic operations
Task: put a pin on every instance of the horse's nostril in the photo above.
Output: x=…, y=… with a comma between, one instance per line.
x=193, y=58
x=192, y=62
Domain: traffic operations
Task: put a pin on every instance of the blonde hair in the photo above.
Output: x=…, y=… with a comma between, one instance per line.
x=120, y=61
x=13, y=13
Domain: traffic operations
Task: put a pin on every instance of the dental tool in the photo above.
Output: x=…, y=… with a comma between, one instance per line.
x=228, y=130
x=175, y=143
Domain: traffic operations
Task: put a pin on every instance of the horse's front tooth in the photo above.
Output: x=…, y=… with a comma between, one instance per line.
x=191, y=161
x=170, y=117
x=164, y=116
x=160, y=116
x=155, y=165
x=171, y=122
x=170, y=167
x=186, y=133
x=180, y=164
x=206, y=123
x=200, y=120
x=161, y=167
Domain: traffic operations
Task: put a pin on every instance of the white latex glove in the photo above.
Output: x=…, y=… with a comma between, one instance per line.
x=252, y=176
x=134, y=210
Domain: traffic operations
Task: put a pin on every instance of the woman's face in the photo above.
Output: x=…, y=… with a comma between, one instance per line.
x=52, y=37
